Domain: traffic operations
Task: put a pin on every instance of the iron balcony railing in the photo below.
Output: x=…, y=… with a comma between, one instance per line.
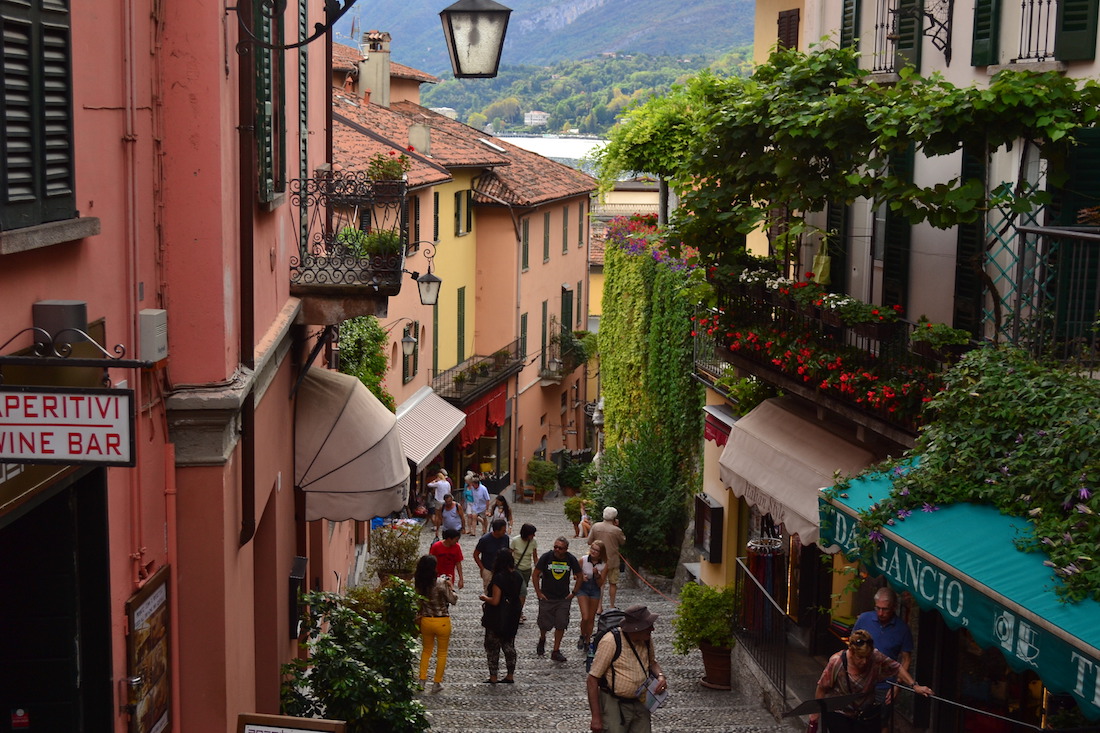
x=352, y=234
x=562, y=355
x=1054, y=306
x=1037, y=23
x=473, y=377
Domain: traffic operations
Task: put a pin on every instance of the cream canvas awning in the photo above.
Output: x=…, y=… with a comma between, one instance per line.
x=347, y=452
x=427, y=423
x=777, y=460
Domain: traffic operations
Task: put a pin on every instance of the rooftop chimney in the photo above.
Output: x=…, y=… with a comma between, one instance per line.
x=374, y=69
x=420, y=137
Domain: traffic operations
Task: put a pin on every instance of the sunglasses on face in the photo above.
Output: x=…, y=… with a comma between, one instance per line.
x=559, y=547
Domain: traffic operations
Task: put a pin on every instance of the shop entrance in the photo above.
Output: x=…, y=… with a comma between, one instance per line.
x=55, y=658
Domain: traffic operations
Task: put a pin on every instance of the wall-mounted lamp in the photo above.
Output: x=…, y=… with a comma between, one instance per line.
x=408, y=341
x=474, y=31
x=428, y=283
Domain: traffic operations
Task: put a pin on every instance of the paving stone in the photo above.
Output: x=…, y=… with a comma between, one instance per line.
x=550, y=697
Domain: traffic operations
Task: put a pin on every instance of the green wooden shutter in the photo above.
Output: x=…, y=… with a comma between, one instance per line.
x=565, y=230
x=435, y=216
x=38, y=173
x=566, y=310
x=580, y=224
x=469, y=210
x=1076, y=290
x=580, y=306
x=461, y=325
x=458, y=213
x=543, y=342
x=523, y=336
x=837, y=223
x=910, y=22
x=525, y=248
x=1075, y=35
x=898, y=244
x=987, y=31
x=849, y=23
x=970, y=253
x=546, y=237
x=435, y=339
x=269, y=69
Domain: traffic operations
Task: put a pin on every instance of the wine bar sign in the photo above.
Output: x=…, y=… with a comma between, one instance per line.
x=67, y=425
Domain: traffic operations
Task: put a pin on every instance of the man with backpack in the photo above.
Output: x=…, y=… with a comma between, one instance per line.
x=623, y=662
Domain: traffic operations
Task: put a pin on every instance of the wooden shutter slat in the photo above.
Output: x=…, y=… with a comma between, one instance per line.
x=987, y=22
x=1075, y=37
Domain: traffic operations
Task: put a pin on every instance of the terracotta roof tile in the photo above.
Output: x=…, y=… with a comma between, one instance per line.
x=407, y=72
x=597, y=239
x=345, y=58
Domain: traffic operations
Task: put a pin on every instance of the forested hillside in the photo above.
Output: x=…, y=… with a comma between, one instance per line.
x=543, y=32
x=585, y=96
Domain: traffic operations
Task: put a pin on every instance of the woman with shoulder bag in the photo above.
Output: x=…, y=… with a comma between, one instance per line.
x=500, y=617
x=436, y=597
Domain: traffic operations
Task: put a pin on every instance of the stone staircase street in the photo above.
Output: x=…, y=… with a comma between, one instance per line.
x=550, y=696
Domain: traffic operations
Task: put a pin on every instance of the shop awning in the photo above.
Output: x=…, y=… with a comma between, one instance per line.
x=719, y=421
x=347, y=452
x=777, y=460
x=960, y=561
x=427, y=423
x=485, y=416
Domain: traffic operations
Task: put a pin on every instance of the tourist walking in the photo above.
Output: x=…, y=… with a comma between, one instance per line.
x=485, y=552
x=448, y=555
x=593, y=573
x=450, y=514
x=524, y=551
x=623, y=662
x=500, y=617
x=499, y=509
x=552, y=578
x=481, y=503
x=856, y=671
x=893, y=638
x=612, y=536
x=440, y=487
x=436, y=598
x=468, y=503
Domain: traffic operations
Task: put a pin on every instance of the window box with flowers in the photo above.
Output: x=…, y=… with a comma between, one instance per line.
x=388, y=171
x=938, y=341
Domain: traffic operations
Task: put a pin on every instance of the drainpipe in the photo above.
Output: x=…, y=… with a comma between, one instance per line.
x=172, y=539
x=246, y=114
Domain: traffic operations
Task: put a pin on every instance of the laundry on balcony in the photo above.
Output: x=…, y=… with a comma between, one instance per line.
x=347, y=450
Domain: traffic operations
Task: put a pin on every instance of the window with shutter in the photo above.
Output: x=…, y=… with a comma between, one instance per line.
x=849, y=23
x=435, y=216
x=788, y=28
x=525, y=245
x=580, y=309
x=580, y=224
x=38, y=172
x=460, y=219
x=910, y=22
x=435, y=338
x=523, y=336
x=837, y=224
x=270, y=113
x=468, y=205
x=544, y=341
x=461, y=325
x=1075, y=38
x=566, y=310
x=897, y=241
x=565, y=230
x=546, y=237
x=970, y=252
x=987, y=27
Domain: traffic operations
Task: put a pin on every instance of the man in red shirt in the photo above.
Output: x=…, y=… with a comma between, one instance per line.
x=448, y=556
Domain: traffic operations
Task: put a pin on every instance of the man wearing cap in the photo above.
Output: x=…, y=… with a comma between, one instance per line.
x=612, y=536
x=613, y=681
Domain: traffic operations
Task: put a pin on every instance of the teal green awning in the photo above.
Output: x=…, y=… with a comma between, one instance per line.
x=960, y=561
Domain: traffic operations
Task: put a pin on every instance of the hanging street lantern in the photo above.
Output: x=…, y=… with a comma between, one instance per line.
x=474, y=31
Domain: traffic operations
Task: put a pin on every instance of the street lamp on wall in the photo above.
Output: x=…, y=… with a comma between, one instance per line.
x=428, y=283
x=474, y=31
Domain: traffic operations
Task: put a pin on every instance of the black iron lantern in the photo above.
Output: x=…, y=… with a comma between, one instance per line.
x=474, y=31
x=429, y=285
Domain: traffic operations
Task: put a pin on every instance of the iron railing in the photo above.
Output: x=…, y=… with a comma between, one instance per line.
x=475, y=376
x=562, y=354
x=885, y=36
x=352, y=233
x=610, y=211
x=1037, y=22
x=762, y=628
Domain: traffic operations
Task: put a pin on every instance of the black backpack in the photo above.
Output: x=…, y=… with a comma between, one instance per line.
x=609, y=622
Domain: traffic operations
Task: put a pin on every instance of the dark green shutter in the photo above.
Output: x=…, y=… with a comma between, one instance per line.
x=546, y=237
x=1077, y=263
x=523, y=336
x=458, y=213
x=565, y=230
x=469, y=202
x=435, y=216
x=849, y=23
x=837, y=224
x=1075, y=37
x=543, y=343
x=580, y=309
x=987, y=31
x=898, y=244
x=270, y=106
x=566, y=311
x=38, y=172
x=970, y=253
x=461, y=325
x=525, y=248
x=910, y=22
x=580, y=224
x=435, y=339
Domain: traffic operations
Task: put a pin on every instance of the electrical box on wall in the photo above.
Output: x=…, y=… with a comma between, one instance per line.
x=154, y=334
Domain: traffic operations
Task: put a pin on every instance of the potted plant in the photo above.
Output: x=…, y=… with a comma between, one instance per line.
x=571, y=477
x=459, y=380
x=704, y=620
x=542, y=475
x=388, y=166
x=500, y=358
x=938, y=340
x=394, y=550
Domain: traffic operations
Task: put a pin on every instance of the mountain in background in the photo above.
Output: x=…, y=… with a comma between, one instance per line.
x=542, y=32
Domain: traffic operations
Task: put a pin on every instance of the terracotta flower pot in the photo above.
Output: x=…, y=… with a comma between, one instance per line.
x=717, y=665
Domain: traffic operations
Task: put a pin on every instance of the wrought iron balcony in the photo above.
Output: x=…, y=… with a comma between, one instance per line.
x=561, y=356
x=464, y=383
x=352, y=238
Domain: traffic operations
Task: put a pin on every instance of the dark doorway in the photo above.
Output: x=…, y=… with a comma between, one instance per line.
x=55, y=649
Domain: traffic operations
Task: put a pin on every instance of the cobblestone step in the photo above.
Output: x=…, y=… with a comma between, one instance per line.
x=550, y=697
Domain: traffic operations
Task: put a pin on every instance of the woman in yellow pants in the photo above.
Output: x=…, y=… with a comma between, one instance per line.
x=436, y=597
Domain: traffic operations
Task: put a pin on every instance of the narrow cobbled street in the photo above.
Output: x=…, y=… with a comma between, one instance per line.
x=549, y=697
